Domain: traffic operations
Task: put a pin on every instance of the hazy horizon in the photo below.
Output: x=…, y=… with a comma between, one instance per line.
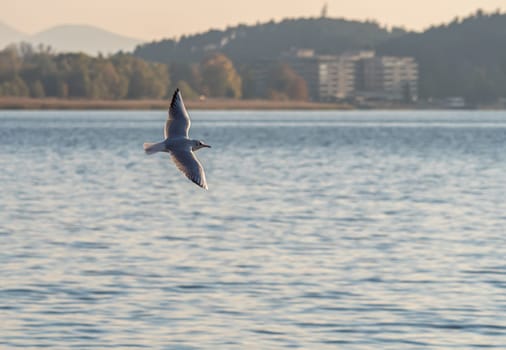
x=31, y=17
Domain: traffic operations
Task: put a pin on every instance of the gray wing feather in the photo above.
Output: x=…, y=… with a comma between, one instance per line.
x=178, y=122
x=190, y=166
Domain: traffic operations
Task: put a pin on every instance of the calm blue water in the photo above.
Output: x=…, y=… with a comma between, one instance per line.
x=352, y=230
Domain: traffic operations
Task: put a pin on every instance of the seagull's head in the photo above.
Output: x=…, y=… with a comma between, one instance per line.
x=197, y=144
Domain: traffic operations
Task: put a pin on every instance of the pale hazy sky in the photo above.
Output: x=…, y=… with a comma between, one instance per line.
x=155, y=19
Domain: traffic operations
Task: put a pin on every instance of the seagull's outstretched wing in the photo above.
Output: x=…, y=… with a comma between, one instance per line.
x=178, y=122
x=189, y=164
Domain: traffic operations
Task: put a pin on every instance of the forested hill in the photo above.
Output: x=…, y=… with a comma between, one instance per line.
x=466, y=57
x=243, y=44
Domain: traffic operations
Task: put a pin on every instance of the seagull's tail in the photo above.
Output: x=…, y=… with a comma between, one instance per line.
x=151, y=148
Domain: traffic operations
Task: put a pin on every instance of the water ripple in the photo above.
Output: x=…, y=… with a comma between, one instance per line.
x=320, y=230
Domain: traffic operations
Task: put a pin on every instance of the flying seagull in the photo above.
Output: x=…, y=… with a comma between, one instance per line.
x=177, y=143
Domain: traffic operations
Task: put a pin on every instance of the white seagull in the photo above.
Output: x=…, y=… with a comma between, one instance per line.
x=177, y=143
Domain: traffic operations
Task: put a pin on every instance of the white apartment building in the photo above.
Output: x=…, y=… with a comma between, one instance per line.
x=350, y=75
x=336, y=75
x=328, y=77
x=388, y=78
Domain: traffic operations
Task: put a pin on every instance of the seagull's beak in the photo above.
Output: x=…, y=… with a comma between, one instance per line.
x=204, y=145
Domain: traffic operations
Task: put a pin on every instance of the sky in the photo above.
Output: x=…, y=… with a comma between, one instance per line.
x=156, y=19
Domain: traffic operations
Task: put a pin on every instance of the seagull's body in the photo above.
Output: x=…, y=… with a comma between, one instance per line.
x=178, y=144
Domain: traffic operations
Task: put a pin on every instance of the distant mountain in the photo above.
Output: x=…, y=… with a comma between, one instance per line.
x=83, y=38
x=9, y=35
x=71, y=38
x=268, y=40
x=466, y=57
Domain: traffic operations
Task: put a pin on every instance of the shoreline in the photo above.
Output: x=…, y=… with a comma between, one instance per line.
x=49, y=103
x=26, y=103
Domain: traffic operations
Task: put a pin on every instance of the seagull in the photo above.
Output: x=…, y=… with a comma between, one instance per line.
x=177, y=143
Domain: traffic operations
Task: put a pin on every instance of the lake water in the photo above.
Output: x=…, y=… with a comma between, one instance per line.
x=352, y=230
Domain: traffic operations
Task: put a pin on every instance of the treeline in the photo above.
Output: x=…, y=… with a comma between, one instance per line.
x=25, y=71
x=29, y=72
x=245, y=44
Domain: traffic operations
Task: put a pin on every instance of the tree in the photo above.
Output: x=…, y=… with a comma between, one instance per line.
x=63, y=89
x=284, y=83
x=219, y=77
x=10, y=63
x=37, y=89
x=249, y=88
x=148, y=80
x=186, y=90
x=15, y=87
x=187, y=72
x=106, y=82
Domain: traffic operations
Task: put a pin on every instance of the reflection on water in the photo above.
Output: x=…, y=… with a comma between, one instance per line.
x=320, y=230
